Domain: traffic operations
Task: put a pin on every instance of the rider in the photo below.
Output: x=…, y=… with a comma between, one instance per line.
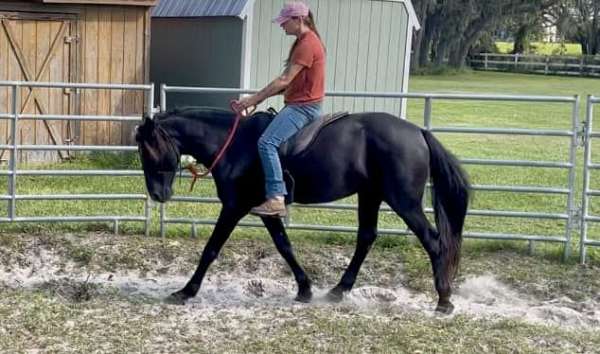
x=303, y=85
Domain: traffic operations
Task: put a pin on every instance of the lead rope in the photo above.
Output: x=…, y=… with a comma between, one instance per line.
x=238, y=116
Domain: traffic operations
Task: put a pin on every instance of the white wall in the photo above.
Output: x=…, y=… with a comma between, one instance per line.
x=366, y=49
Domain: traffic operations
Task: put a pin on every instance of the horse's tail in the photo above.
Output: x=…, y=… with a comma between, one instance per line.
x=450, y=199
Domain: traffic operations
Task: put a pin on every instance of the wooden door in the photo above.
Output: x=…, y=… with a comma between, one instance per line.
x=37, y=47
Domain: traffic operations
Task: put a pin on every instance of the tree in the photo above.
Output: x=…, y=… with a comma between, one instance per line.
x=524, y=28
x=579, y=20
x=451, y=27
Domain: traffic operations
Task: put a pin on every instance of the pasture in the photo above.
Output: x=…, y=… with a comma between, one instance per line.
x=74, y=287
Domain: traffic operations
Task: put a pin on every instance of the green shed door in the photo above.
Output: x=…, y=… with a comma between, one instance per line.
x=366, y=50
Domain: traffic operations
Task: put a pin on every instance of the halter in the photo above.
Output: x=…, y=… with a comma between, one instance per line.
x=238, y=116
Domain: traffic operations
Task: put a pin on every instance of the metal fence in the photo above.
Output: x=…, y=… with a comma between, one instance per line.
x=588, y=192
x=569, y=215
x=13, y=172
x=569, y=165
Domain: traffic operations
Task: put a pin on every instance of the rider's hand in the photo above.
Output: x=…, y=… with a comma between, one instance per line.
x=243, y=105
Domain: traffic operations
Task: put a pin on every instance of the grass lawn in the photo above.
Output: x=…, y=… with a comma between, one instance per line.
x=479, y=82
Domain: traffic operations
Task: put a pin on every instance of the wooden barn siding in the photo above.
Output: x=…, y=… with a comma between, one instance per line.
x=114, y=50
x=365, y=42
x=34, y=39
x=4, y=92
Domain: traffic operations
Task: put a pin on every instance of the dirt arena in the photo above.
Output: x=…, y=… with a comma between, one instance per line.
x=104, y=294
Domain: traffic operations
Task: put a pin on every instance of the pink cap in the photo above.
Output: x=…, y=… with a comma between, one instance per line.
x=291, y=9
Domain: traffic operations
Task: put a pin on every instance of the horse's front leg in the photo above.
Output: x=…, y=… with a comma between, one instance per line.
x=228, y=219
x=280, y=238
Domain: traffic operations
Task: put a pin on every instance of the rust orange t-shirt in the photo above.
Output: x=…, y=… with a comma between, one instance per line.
x=309, y=84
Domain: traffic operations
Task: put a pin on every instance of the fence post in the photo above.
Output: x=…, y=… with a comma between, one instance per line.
x=546, y=65
x=163, y=230
x=587, y=160
x=148, y=214
x=516, y=60
x=163, y=97
x=427, y=123
x=427, y=113
x=572, y=161
x=12, y=163
x=150, y=104
x=485, y=60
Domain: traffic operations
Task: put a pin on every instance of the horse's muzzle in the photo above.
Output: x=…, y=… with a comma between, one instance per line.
x=160, y=197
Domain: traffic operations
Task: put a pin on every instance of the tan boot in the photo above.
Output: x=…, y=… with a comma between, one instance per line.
x=271, y=207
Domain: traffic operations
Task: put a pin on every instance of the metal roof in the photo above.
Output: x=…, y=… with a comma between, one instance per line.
x=103, y=2
x=202, y=8
x=412, y=14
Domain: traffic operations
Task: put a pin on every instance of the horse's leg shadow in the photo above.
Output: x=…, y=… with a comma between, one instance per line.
x=280, y=238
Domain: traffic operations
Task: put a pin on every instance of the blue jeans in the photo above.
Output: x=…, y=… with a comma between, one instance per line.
x=285, y=124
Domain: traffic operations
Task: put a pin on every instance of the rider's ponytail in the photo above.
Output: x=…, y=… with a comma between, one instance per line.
x=309, y=21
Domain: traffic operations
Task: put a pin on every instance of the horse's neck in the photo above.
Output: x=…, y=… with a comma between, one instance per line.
x=197, y=138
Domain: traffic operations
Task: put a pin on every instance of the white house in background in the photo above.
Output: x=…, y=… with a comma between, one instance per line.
x=550, y=34
x=233, y=43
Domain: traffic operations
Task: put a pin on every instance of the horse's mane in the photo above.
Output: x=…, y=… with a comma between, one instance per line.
x=214, y=114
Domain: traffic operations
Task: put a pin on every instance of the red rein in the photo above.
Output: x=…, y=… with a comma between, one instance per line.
x=239, y=114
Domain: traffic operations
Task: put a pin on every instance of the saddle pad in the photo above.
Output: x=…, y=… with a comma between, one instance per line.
x=303, y=138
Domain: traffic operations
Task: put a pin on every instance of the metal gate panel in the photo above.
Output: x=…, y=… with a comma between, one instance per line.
x=15, y=117
x=570, y=215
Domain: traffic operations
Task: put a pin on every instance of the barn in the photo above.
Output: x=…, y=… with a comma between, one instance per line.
x=232, y=43
x=91, y=41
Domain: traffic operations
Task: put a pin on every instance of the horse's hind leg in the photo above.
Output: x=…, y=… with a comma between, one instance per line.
x=411, y=211
x=368, y=209
x=280, y=238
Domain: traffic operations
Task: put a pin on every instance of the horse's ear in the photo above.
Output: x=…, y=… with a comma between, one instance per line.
x=147, y=122
x=143, y=129
x=137, y=133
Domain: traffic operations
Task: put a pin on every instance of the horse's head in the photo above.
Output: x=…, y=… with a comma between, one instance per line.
x=160, y=159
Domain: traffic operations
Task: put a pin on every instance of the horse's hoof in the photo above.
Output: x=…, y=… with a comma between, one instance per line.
x=177, y=298
x=335, y=296
x=444, y=308
x=304, y=296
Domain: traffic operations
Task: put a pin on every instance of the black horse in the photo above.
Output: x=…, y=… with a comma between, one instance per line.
x=377, y=155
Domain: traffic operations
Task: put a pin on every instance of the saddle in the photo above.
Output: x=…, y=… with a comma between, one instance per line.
x=305, y=136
